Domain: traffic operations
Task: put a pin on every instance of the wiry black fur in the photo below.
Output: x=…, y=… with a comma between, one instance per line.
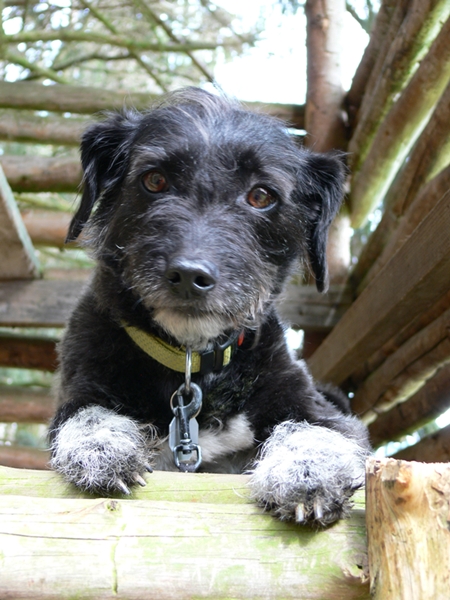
x=212, y=153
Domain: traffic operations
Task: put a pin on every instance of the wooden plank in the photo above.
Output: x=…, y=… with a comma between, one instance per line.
x=25, y=405
x=37, y=303
x=433, y=448
x=416, y=276
x=179, y=548
x=24, y=457
x=408, y=507
x=46, y=227
x=28, y=353
x=42, y=174
x=18, y=259
x=87, y=100
x=426, y=404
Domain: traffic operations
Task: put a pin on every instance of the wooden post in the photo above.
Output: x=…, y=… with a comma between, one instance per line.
x=408, y=514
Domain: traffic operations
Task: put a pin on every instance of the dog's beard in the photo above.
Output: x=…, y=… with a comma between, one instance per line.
x=195, y=331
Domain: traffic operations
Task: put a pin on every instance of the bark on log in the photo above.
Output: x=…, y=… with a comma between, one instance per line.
x=89, y=100
x=19, y=127
x=38, y=174
x=181, y=543
x=413, y=27
x=18, y=259
x=408, y=507
x=324, y=96
x=433, y=448
x=426, y=404
x=28, y=353
x=377, y=45
x=415, y=278
x=400, y=129
x=22, y=405
x=405, y=371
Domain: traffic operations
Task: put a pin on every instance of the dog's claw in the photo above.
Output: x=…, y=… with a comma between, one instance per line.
x=140, y=480
x=300, y=513
x=122, y=487
x=318, y=509
x=148, y=468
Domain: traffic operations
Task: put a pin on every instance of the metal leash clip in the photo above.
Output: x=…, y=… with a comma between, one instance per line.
x=183, y=429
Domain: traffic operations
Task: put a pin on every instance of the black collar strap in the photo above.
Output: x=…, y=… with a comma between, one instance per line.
x=208, y=361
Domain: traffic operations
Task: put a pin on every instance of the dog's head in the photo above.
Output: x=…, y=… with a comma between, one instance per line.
x=202, y=208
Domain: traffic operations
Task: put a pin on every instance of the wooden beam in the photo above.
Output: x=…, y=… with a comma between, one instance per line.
x=46, y=227
x=426, y=404
x=191, y=545
x=405, y=371
x=38, y=303
x=28, y=353
x=433, y=448
x=21, y=126
x=41, y=174
x=88, y=100
x=400, y=128
x=415, y=277
x=23, y=457
x=18, y=259
x=25, y=405
x=408, y=507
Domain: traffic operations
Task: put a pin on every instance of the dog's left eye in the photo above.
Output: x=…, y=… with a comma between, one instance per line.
x=155, y=181
x=261, y=198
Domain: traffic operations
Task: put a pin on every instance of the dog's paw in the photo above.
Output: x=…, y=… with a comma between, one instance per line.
x=99, y=450
x=308, y=473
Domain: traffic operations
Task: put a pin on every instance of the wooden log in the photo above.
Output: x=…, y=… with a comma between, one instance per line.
x=413, y=28
x=324, y=95
x=432, y=448
x=400, y=129
x=23, y=457
x=25, y=405
x=428, y=157
x=426, y=404
x=182, y=543
x=399, y=338
x=88, y=100
x=415, y=278
x=18, y=259
x=39, y=174
x=46, y=227
x=405, y=371
x=28, y=353
x=21, y=126
x=408, y=506
x=38, y=303
x=394, y=229
x=377, y=44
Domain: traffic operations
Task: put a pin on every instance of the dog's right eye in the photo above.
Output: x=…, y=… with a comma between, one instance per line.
x=155, y=182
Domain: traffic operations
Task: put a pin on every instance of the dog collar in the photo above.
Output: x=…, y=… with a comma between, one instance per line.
x=174, y=358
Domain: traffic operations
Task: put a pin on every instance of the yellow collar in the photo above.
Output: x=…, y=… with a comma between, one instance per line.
x=175, y=357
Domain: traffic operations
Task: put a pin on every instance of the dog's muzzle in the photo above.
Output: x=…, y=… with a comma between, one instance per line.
x=190, y=279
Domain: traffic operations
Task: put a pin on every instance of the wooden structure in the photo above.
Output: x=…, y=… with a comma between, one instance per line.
x=381, y=332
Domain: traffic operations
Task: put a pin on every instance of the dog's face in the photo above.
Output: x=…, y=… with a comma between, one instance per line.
x=203, y=208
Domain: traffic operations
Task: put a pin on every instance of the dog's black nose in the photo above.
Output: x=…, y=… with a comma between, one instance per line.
x=191, y=278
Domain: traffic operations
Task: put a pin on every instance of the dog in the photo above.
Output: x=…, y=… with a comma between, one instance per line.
x=197, y=212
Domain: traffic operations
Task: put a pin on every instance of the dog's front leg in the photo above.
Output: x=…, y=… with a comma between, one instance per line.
x=308, y=472
x=98, y=450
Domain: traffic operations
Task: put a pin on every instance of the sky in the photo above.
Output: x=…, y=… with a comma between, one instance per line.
x=275, y=69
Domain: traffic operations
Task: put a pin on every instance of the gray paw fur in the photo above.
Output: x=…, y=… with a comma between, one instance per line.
x=308, y=473
x=97, y=449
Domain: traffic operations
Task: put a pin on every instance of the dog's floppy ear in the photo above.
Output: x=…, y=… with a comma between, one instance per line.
x=324, y=178
x=104, y=155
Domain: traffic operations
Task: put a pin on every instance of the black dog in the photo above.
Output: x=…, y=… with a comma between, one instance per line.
x=203, y=210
